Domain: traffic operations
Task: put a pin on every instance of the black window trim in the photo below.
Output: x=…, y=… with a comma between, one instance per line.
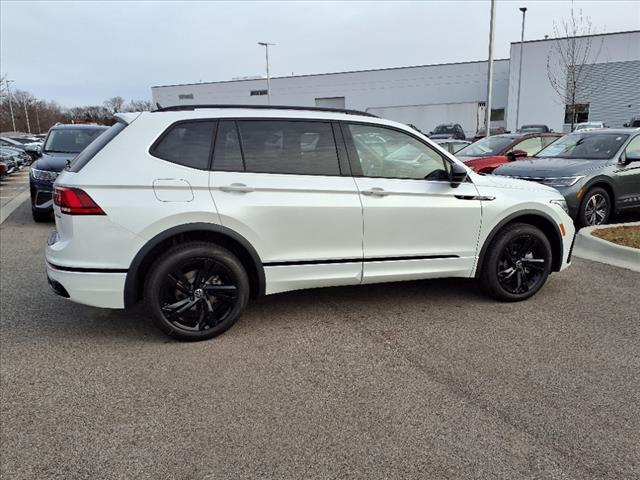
x=342, y=161
x=179, y=122
x=354, y=161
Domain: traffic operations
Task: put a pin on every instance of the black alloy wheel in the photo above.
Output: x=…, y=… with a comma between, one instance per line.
x=522, y=264
x=196, y=291
x=517, y=263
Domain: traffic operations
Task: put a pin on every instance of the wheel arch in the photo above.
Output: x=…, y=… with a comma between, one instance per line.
x=533, y=217
x=225, y=237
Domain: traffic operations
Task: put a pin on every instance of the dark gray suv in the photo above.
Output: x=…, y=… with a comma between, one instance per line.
x=597, y=171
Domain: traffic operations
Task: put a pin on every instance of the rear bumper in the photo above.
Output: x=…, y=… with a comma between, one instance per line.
x=97, y=289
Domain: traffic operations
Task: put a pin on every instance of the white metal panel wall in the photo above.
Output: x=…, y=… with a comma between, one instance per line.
x=422, y=85
x=612, y=91
x=427, y=117
x=539, y=103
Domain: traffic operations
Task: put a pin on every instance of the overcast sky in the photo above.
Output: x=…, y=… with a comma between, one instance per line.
x=84, y=52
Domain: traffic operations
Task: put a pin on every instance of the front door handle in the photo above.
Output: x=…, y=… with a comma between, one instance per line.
x=375, y=191
x=237, y=187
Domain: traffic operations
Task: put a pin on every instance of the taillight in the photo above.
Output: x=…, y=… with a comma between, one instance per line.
x=74, y=201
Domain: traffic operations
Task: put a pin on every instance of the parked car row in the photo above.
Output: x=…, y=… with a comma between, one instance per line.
x=27, y=143
x=12, y=160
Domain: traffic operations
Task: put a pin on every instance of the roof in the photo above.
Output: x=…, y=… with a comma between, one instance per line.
x=332, y=73
x=550, y=39
x=604, y=131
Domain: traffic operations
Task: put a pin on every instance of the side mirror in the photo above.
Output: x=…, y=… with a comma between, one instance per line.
x=626, y=125
x=517, y=154
x=457, y=175
x=632, y=156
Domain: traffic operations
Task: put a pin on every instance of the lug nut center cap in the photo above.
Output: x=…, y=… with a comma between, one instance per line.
x=198, y=293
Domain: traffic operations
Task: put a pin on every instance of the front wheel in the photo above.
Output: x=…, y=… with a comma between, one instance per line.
x=517, y=263
x=196, y=291
x=595, y=208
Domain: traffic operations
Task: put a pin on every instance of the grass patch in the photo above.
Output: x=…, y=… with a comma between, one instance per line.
x=626, y=236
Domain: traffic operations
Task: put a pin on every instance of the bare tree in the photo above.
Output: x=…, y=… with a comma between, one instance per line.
x=567, y=69
x=115, y=104
x=140, y=106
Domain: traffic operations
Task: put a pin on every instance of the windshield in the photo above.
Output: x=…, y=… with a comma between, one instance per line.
x=71, y=140
x=444, y=129
x=585, y=146
x=486, y=147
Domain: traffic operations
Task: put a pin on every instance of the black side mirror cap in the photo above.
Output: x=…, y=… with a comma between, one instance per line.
x=457, y=175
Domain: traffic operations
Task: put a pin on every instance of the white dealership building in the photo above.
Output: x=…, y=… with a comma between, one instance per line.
x=427, y=95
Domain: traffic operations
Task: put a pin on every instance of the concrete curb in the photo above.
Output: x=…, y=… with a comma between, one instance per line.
x=593, y=248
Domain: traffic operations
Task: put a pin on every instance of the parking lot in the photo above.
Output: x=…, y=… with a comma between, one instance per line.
x=417, y=380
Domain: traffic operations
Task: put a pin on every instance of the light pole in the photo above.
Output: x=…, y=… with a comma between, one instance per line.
x=266, y=50
x=13, y=119
x=524, y=13
x=26, y=114
x=490, y=70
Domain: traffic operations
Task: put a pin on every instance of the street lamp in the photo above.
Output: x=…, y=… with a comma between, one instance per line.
x=13, y=119
x=26, y=114
x=266, y=50
x=492, y=23
x=524, y=13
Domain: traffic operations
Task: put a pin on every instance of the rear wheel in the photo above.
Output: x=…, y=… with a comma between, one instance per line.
x=196, y=291
x=517, y=263
x=595, y=208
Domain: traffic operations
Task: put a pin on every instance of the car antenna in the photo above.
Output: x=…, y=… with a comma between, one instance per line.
x=158, y=106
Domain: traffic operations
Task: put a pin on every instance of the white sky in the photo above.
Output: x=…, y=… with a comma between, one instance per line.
x=84, y=52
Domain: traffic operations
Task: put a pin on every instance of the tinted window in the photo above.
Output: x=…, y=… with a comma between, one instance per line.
x=440, y=129
x=634, y=146
x=187, y=144
x=227, y=155
x=94, y=147
x=71, y=140
x=392, y=154
x=304, y=148
x=585, y=146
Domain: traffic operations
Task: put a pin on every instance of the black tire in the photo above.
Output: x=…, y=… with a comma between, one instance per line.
x=517, y=263
x=196, y=291
x=595, y=206
x=40, y=217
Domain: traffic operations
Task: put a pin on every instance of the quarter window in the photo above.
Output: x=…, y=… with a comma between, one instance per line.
x=290, y=147
x=187, y=144
x=383, y=152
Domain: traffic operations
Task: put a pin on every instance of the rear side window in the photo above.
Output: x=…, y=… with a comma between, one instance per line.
x=95, y=146
x=187, y=144
x=289, y=147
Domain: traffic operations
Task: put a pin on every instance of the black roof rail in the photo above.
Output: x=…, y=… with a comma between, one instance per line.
x=178, y=108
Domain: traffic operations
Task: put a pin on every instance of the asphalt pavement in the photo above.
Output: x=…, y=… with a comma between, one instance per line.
x=424, y=379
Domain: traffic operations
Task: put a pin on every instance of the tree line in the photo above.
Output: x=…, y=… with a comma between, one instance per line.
x=31, y=114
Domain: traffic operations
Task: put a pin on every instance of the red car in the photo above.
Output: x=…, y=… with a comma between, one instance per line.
x=485, y=155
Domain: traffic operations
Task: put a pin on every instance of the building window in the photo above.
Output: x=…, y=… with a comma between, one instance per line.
x=185, y=96
x=258, y=92
x=581, y=113
x=497, y=114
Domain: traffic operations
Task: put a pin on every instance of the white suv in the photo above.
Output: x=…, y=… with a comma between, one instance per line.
x=198, y=209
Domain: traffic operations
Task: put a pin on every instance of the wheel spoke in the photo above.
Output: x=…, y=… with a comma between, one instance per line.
x=176, y=309
x=222, y=292
x=527, y=246
x=181, y=283
x=507, y=273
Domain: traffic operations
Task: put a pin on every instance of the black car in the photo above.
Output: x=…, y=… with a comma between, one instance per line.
x=62, y=144
x=597, y=172
x=534, y=129
x=33, y=149
x=448, y=130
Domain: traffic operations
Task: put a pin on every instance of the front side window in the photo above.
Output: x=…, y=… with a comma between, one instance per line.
x=383, y=152
x=289, y=147
x=530, y=145
x=187, y=144
x=634, y=146
x=585, y=146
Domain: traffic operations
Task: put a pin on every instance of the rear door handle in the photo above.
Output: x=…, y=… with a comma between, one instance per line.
x=237, y=187
x=375, y=191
